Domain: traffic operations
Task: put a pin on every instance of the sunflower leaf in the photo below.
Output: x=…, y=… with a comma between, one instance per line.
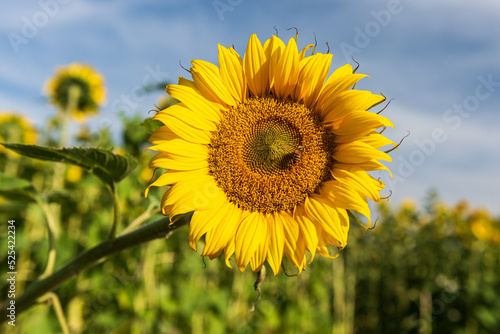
x=107, y=166
x=15, y=189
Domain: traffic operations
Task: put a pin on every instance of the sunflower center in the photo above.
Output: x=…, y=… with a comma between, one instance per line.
x=269, y=146
x=268, y=155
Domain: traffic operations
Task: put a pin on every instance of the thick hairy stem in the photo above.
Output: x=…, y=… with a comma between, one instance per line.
x=116, y=212
x=156, y=230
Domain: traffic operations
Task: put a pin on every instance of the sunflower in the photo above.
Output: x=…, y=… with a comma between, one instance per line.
x=77, y=87
x=15, y=128
x=269, y=153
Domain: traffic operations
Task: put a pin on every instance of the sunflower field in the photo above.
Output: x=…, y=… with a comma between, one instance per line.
x=91, y=254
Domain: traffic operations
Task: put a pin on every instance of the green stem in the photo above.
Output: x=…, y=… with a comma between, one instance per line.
x=52, y=240
x=150, y=211
x=156, y=230
x=73, y=98
x=52, y=297
x=338, y=285
x=116, y=212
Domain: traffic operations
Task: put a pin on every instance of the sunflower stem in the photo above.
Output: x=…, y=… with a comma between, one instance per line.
x=92, y=256
x=52, y=298
x=73, y=98
x=49, y=217
x=116, y=212
x=150, y=211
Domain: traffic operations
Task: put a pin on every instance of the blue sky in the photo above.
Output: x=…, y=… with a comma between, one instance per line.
x=439, y=60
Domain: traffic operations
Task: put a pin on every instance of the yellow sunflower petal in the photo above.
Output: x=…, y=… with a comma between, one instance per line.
x=302, y=53
x=186, y=82
x=335, y=87
x=294, y=246
x=359, y=180
x=204, y=221
x=182, y=149
x=312, y=76
x=222, y=236
x=162, y=160
x=182, y=130
x=369, y=165
x=231, y=72
x=249, y=236
x=162, y=134
x=195, y=101
x=340, y=105
x=325, y=240
x=307, y=231
x=276, y=244
x=186, y=115
x=324, y=214
x=345, y=198
x=256, y=67
x=228, y=219
x=358, y=152
x=259, y=257
x=273, y=49
x=209, y=82
x=377, y=140
x=357, y=124
x=229, y=251
x=200, y=192
x=287, y=71
x=338, y=73
x=173, y=176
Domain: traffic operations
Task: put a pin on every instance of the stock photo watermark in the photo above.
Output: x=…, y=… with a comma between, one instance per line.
x=11, y=272
x=32, y=24
x=364, y=35
x=437, y=305
x=223, y=6
x=105, y=296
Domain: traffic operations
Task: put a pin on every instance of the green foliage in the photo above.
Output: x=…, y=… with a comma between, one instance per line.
x=151, y=125
x=110, y=168
x=15, y=188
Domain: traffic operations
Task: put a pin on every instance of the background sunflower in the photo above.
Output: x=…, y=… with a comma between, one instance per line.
x=78, y=89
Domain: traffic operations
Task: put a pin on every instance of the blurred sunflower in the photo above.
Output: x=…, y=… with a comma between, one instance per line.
x=270, y=153
x=15, y=129
x=77, y=87
x=483, y=227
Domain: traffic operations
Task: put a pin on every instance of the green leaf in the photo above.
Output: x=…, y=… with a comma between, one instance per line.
x=151, y=125
x=59, y=196
x=8, y=182
x=15, y=189
x=106, y=165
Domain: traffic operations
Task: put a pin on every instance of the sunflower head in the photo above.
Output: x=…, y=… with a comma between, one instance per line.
x=77, y=88
x=15, y=128
x=270, y=153
x=484, y=227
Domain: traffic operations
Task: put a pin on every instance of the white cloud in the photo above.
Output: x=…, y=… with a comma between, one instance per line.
x=463, y=166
